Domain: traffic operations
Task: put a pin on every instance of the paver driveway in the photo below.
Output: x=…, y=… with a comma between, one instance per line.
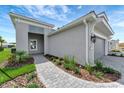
x=54, y=77
x=116, y=63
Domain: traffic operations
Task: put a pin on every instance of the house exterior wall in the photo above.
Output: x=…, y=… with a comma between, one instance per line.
x=21, y=36
x=113, y=44
x=70, y=42
x=40, y=43
x=35, y=29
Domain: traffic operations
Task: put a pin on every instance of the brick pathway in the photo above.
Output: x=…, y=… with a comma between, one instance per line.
x=54, y=77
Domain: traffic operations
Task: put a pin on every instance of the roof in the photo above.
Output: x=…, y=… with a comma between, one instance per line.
x=81, y=19
x=103, y=14
x=14, y=15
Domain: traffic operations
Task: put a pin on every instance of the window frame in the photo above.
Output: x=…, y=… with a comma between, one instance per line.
x=30, y=44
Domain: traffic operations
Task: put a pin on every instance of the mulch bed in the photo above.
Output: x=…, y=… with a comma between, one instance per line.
x=22, y=82
x=85, y=75
x=19, y=64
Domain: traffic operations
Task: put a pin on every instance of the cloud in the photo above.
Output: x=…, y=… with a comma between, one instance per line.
x=119, y=12
x=65, y=9
x=79, y=7
x=48, y=11
x=120, y=24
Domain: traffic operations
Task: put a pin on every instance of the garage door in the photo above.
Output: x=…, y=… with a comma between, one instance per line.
x=99, y=48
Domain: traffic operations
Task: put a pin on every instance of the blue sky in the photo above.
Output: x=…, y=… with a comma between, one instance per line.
x=59, y=16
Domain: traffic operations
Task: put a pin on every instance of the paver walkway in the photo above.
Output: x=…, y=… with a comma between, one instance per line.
x=54, y=77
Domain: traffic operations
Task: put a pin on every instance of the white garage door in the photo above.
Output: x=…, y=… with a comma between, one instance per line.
x=99, y=48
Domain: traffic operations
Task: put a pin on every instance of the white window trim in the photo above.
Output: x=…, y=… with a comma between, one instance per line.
x=36, y=45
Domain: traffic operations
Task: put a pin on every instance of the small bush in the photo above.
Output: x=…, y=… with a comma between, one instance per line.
x=54, y=60
x=77, y=70
x=31, y=76
x=12, y=58
x=98, y=65
x=113, y=54
x=98, y=74
x=51, y=58
x=115, y=50
x=70, y=63
x=66, y=66
x=32, y=85
x=108, y=70
x=21, y=56
x=66, y=59
x=89, y=68
x=121, y=55
x=58, y=62
x=1, y=48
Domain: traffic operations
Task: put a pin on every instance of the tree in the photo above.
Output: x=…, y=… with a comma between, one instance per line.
x=2, y=41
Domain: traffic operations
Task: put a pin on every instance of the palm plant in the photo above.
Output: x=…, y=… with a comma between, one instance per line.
x=20, y=54
x=2, y=41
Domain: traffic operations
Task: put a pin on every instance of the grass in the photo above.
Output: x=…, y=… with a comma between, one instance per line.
x=14, y=72
x=4, y=55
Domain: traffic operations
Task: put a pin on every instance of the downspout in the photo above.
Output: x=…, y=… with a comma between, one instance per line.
x=86, y=34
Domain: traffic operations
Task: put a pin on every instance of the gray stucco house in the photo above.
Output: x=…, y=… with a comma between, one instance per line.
x=85, y=38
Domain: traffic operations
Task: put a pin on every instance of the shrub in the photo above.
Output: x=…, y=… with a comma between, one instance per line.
x=115, y=50
x=58, y=62
x=54, y=60
x=98, y=65
x=32, y=85
x=89, y=68
x=1, y=48
x=66, y=66
x=66, y=59
x=121, y=55
x=98, y=74
x=70, y=63
x=21, y=56
x=77, y=70
x=51, y=58
x=12, y=58
x=31, y=76
x=113, y=54
x=108, y=70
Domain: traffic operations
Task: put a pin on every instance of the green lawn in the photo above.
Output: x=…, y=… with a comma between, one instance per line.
x=4, y=54
x=14, y=72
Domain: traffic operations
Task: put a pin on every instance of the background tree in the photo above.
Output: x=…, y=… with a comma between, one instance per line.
x=2, y=41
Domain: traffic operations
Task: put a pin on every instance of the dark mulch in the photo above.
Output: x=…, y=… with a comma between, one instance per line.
x=19, y=64
x=85, y=75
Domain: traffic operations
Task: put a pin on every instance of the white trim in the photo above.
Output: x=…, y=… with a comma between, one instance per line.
x=86, y=26
x=31, y=23
x=103, y=14
x=27, y=20
x=100, y=36
x=105, y=42
x=78, y=21
x=30, y=45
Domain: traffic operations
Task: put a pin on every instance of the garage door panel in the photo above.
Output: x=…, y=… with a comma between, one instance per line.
x=99, y=48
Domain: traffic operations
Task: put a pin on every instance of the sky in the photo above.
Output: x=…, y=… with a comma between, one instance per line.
x=60, y=15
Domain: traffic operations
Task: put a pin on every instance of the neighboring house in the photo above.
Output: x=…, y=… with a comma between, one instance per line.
x=85, y=38
x=9, y=45
x=114, y=45
x=121, y=46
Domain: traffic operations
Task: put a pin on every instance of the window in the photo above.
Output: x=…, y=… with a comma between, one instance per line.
x=33, y=44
